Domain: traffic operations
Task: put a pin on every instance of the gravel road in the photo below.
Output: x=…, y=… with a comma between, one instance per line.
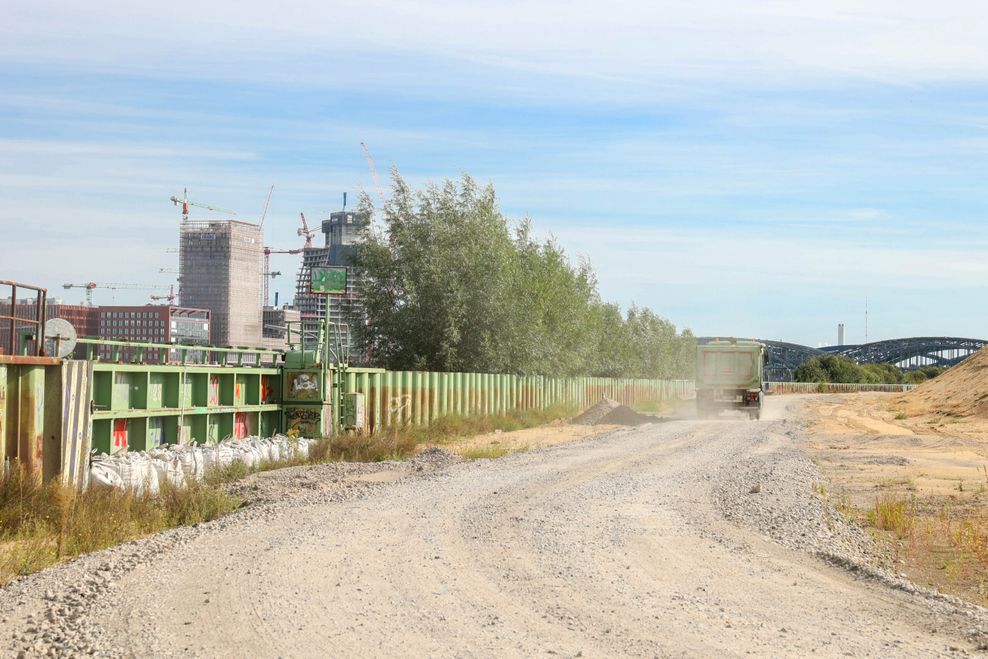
x=688, y=538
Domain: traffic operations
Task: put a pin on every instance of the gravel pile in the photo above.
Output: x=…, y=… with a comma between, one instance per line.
x=611, y=412
x=433, y=457
x=622, y=415
x=778, y=494
x=778, y=491
x=595, y=413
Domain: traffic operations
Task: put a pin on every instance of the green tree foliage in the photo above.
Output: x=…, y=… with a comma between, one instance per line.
x=836, y=368
x=451, y=285
x=921, y=375
x=811, y=371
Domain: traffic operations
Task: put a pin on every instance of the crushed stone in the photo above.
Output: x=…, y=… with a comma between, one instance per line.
x=611, y=412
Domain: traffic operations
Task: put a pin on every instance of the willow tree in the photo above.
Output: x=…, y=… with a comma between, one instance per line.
x=449, y=284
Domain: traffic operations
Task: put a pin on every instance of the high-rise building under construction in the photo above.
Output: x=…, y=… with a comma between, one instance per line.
x=220, y=270
x=342, y=230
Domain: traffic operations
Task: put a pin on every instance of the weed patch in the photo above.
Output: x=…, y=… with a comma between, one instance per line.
x=488, y=452
x=41, y=525
x=892, y=514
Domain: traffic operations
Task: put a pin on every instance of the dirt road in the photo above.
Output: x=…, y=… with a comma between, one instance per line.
x=644, y=542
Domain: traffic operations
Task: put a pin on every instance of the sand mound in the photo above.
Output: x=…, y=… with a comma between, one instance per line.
x=611, y=412
x=960, y=391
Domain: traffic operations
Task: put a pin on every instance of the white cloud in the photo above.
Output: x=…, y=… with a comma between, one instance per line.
x=643, y=43
x=60, y=149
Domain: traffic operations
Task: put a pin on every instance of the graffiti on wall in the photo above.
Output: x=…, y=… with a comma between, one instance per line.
x=304, y=421
x=398, y=406
x=303, y=386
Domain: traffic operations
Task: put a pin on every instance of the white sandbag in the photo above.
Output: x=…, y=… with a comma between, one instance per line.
x=261, y=449
x=102, y=473
x=138, y=474
x=190, y=460
x=183, y=464
x=224, y=455
x=209, y=459
x=173, y=472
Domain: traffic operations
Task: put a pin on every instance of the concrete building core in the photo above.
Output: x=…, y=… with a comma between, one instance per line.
x=342, y=231
x=220, y=270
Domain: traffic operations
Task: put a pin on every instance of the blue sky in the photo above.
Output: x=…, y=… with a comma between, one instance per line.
x=757, y=169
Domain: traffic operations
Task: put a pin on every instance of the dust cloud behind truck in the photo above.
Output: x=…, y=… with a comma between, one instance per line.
x=729, y=377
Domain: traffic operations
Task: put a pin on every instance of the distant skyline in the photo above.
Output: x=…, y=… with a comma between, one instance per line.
x=751, y=169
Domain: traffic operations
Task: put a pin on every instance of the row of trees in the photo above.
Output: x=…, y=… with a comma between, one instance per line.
x=836, y=368
x=450, y=285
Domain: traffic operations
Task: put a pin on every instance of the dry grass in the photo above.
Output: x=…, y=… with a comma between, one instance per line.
x=943, y=542
x=490, y=451
x=891, y=513
x=41, y=525
x=398, y=443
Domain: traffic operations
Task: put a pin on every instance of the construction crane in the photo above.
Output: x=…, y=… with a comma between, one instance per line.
x=185, y=202
x=305, y=232
x=373, y=170
x=266, y=275
x=267, y=200
x=170, y=297
x=92, y=285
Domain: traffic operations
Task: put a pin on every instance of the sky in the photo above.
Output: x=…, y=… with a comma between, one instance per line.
x=760, y=169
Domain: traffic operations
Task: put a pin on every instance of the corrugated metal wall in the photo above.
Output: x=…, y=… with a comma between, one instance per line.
x=419, y=397
x=832, y=388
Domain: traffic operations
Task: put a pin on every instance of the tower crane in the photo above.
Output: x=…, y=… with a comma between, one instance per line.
x=373, y=170
x=186, y=202
x=90, y=286
x=170, y=297
x=267, y=200
x=305, y=232
x=267, y=274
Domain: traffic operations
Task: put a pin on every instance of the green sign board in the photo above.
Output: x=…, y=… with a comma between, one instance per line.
x=328, y=281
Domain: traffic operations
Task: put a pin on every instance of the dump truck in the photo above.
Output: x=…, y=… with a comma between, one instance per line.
x=729, y=377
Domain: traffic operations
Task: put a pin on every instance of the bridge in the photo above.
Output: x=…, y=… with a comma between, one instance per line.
x=912, y=353
x=908, y=353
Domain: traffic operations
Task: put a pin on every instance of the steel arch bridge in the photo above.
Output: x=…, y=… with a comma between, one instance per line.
x=912, y=353
x=908, y=354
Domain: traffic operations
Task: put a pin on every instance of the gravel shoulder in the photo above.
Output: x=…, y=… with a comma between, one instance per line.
x=688, y=538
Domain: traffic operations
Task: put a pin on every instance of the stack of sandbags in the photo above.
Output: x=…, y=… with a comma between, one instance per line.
x=145, y=471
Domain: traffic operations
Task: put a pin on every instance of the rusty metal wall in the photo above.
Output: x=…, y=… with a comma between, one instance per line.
x=76, y=436
x=26, y=398
x=832, y=388
x=418, y=397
